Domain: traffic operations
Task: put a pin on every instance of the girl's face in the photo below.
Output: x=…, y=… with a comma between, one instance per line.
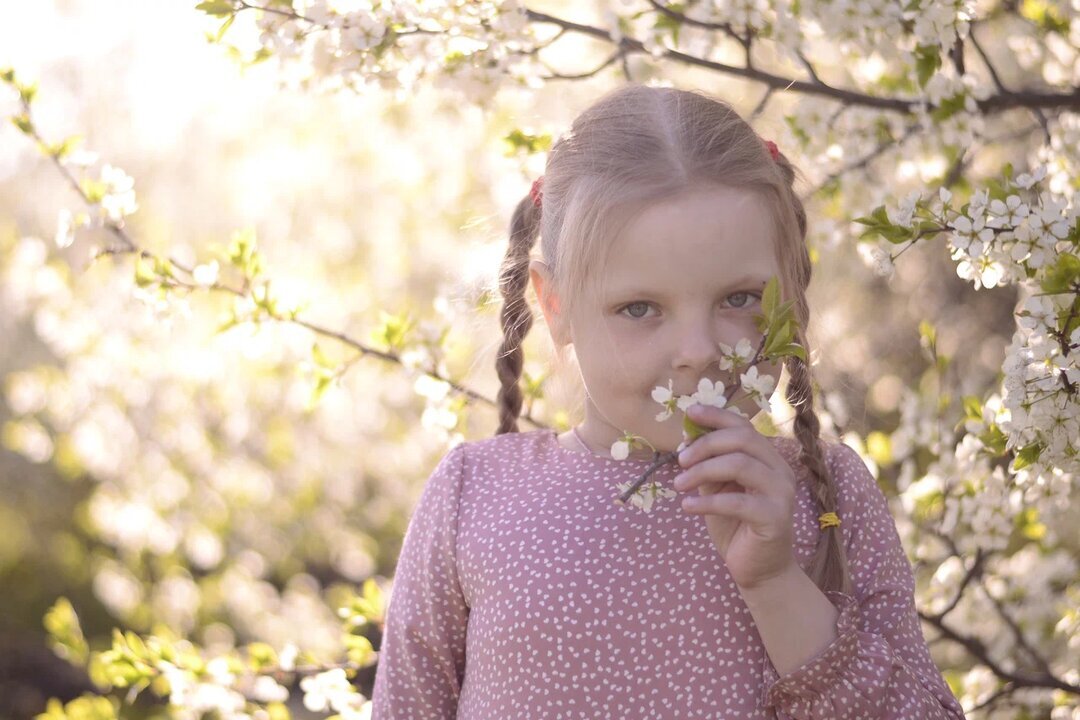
x=685, y=275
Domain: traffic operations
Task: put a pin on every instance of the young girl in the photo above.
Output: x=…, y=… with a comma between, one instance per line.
x=767, y=578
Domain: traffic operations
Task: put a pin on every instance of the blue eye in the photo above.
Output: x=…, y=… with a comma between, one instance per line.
x=746, y=294
x=640, y=303
x=635, y=304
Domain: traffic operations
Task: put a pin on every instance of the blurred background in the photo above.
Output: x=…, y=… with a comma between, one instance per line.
x=159, y=473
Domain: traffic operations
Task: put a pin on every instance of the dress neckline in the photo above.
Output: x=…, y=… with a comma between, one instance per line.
x=553, y=435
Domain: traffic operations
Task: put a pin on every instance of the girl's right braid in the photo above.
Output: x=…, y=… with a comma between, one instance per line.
x=829, y=566
x=516, y=317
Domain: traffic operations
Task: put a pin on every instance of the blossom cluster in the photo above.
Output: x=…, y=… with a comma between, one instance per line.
x=331, y=44
x=1029, y=236
x=713, y=393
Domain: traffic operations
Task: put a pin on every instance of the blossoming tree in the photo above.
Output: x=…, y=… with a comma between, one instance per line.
x=968, y=114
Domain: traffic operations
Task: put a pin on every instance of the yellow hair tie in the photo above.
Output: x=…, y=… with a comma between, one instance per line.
x=829, y=519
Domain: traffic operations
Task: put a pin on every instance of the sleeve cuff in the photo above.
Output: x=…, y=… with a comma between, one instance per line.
x=849, y=676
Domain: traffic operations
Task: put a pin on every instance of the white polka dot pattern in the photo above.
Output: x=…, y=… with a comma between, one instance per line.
x=523, y=591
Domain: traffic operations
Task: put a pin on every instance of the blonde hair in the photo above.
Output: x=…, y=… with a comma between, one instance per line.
x=638, y=145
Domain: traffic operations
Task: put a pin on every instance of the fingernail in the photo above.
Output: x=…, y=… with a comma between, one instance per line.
x=684, y=456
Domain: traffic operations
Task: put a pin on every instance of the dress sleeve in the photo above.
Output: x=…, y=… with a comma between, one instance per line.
x=421, y=661
x=879, y=666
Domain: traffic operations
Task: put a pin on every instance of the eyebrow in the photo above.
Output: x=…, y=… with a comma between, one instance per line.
x=749, y=280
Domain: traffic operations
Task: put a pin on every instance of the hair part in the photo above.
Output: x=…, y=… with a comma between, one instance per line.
x=636, y=146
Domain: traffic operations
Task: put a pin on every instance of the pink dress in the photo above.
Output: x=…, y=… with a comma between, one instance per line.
x=523, y=591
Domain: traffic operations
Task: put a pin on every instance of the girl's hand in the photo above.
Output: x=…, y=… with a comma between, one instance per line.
x=745, y=490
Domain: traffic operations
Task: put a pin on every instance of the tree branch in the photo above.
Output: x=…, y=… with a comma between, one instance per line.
x=1004, y=100
x=129, y=246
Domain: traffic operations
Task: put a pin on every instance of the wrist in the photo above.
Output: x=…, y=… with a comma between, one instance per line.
x=783, y=581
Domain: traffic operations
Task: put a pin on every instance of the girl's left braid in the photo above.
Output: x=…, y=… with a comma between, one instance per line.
x=834, y=570
x=516, y=317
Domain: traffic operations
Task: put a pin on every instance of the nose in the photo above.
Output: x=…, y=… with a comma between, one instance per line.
x=697, y=347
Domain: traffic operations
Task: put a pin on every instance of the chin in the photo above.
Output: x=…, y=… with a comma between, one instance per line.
x=667, y=436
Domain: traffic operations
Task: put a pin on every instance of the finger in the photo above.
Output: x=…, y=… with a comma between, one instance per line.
x=724, y=440
x=748, y=508
x=735, y=467
x=713, y=416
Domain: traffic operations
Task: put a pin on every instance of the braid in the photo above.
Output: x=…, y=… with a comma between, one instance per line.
x=829, y=567
x=516, y=317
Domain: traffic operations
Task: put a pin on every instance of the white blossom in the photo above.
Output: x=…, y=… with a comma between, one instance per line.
x=760, y=388
x=330, y=691
x=905, y=212
x=644, y=497
x=620, y=449
x=742, y=353
x=205, y=275
x=708, y=393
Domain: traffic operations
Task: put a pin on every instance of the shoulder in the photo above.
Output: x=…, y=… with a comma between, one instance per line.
x=495, y=453
x=857, y=488
x=850, y=471
x=505, y=447
x=859, y=495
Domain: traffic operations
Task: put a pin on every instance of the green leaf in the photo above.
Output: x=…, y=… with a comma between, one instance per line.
x=230, y=320
x=877, y=218
x=1072, y=316
x=136, y=644
x=243, y=253
x=972, y=407
x=87, y=707
x=54, y=710
x=927, y=62
x=1062, y=274
x=94, y=190
x=692, y=429
x=949, y=107
x=1046, y=15
x=261, y=655
x=224, y=28
x=374, y=602
x=260, y=55
x=666, y=22
x=163, y=267
x=879, y=447
x=359, y=650
x=1028, y=455
x=63, y=148
x=26, y=127
x=322, y=383
x=320, y=358
x=64, y=630
x=216, y=8
x=278, y=711
x=394, y=330
x=928, y=332
x=796, y=130
x=770, y=297
x=518, y=140
x=144, y=272
x=793, y=349
x=27, y=92
x=995, y=440
x=1027, y=522
x=532, y=387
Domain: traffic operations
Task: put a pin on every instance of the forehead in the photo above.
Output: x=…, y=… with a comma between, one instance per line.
x=707, y=236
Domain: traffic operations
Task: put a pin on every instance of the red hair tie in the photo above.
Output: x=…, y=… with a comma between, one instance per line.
x=773, y=150
x=536, y=193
